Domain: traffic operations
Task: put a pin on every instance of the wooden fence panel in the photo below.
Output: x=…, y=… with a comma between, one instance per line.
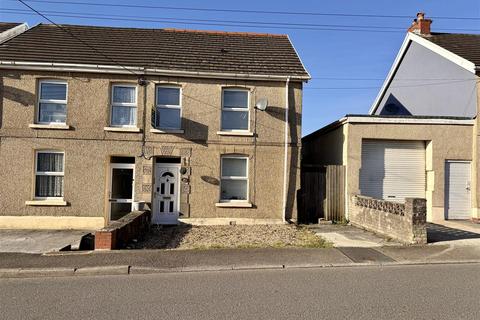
x=312, y=194
x=335, y=193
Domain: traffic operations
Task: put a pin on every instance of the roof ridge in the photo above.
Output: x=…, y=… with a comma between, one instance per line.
x=244, y=33
x=454, y=33
x=51, y=25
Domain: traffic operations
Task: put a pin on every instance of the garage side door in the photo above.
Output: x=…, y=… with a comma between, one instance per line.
x=457, y=190
x=393, y=170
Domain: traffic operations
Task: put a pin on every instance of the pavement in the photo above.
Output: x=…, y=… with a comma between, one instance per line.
x=123, y=262
x=39, y=241
x=353, y=247
x=350, y=236
x=451, y=233
x=369, y=292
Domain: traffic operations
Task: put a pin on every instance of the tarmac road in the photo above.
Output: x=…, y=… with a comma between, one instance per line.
x=449, y=291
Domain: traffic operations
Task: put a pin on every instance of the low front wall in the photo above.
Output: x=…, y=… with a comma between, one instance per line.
x=404, y=222
x=120, y=232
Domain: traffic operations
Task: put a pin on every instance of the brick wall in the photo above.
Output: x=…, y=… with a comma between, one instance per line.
x=120, y=232
x=404, y=222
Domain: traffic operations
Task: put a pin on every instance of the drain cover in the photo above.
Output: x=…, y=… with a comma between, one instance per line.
x=364, y=255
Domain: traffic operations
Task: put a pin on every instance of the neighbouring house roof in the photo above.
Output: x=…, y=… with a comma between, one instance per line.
x=9, y=30
x=466, y=46
x=235, y=53
x=461, y=49
x=4, y=26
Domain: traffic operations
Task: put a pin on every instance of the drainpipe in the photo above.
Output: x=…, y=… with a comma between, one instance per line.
x=285, y=169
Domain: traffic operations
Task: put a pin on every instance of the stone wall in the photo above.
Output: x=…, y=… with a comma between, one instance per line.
x=404, y=222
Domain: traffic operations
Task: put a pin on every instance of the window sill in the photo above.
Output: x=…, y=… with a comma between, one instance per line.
x=56, y=203
x=166, y=131
x=233, y=205
x=235, y=133
x=122, y=129
x=49, y=126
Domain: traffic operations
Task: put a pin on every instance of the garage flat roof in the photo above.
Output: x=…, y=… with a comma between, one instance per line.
x=365, y=118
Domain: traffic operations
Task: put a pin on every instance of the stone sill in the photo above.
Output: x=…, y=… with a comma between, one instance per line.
x=47, y=202
x=233, y=205
x=167, y=131
x=49, y=126
x=122, y=129
x=235, y=133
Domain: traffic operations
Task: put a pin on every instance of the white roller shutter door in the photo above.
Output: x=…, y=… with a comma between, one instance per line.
x=393, y=170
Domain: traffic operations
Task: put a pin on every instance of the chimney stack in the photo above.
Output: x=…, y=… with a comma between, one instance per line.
x=420, y=25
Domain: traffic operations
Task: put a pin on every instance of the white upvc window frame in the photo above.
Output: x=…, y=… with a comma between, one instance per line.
x=168, y=106
x=235, y=109
x=124, y=104
x=48, y=173
x=222, y=177
x=53, y=101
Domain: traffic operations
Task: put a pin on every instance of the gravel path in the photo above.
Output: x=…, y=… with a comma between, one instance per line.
x=237, y=236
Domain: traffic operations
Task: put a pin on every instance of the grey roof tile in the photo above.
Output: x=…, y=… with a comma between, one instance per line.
x=170, y=49
x=466, y=46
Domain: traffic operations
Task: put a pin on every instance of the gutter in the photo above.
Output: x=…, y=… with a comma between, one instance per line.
x=285, y=168
x=72, y=67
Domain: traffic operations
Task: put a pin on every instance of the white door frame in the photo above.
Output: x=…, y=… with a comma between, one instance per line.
x=158, y=168
x=119, y=166
x=467, y=187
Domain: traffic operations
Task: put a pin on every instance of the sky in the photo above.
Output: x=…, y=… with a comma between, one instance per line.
x=347, y=66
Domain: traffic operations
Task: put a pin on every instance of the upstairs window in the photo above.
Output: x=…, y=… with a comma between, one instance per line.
x=235, y=110
x=52, y=102
x=168, y=113
x=234, y=179
x=124, y=106
x=49, y=174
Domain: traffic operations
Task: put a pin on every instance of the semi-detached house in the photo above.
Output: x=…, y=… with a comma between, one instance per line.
x=95, y=121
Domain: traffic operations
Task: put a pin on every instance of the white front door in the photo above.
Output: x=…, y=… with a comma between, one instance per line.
x=121, y=189
x=166, y=194
x=457, y=190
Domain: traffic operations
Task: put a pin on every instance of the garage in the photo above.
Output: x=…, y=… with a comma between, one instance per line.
x=392, y=169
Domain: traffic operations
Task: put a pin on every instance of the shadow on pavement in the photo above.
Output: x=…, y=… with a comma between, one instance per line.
x=437, y=233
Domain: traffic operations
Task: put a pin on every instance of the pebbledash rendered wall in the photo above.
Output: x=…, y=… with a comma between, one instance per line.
x=442, y=142
x=88, y=148
x=448, y=141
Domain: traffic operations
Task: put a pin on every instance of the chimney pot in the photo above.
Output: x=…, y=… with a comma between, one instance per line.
x=421, y=25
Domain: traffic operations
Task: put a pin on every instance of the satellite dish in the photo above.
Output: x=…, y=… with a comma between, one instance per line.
x=262, y=104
